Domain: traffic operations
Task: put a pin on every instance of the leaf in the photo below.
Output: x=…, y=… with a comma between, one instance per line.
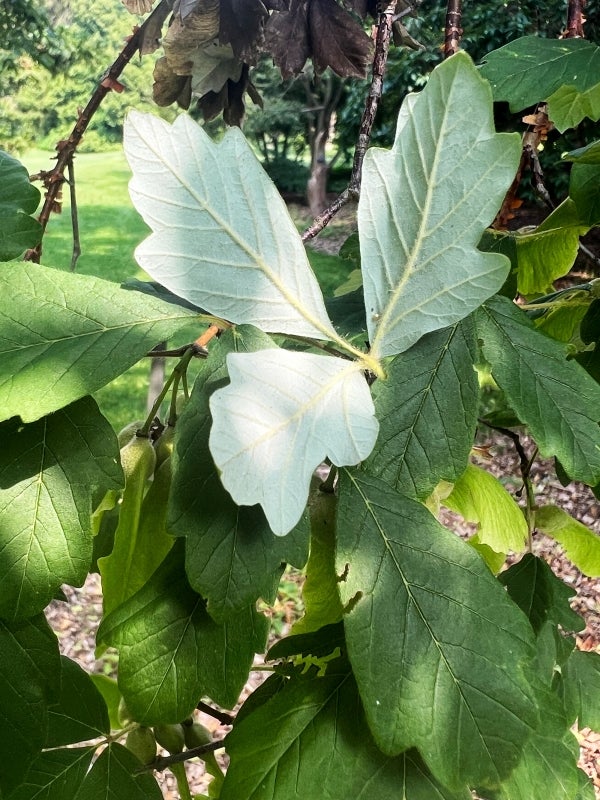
x=427, y=412
x=49, y=470
x=29, y=680
x=480, y=497
x=171, y=653
x=241, y=23
x=438, y=650
x=113, y=776
x=287, y=39
x=581, y=545
x=420, y=219
x=282, y=414
x=56, y=345
x=320, y=595
x=19, y=199
x=55, y=774
x=310, y=740
x=583, y=190
x=338, y=40
x=232, y=557
x=590, y=154
x=109, y=690
x=554, y=397
x=80, y=713
x=563, y=72
x=541, y=596
x=581, y=682
x=223, y=238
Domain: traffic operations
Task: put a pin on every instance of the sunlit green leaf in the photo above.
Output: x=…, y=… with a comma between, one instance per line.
x=438, y=650
x=581, y=545
x=172, y=653
x=427, y=412
x=555, y=397
x=49, y=470
x=282, y=415
x=19, y=199
x=424, y=205
x=63, y=336
x=223, y=237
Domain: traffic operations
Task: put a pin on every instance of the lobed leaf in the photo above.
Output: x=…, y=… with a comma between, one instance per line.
x=49, y=470
x=222, y=236
x=55, y=774
x=427, y=412
x=63, y=336
x=80, y=713
x=115, y=775
x=581, y=687
x=424, y=206
x=438, y=650
x=282, y=414
x=554, y=397
x=19, y=199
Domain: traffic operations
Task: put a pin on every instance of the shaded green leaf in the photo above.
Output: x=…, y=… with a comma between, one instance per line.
x=563, y=72
x=310, y=740
x=49, y=470
x=19, y=199
x=81, y=712
x=427, y=412
x=420, y=223
x=438, y=650
x=540, y=594
x=109, y=690
x=223, y=237
x=29, y=680
x=281, y=416
x=584, y=190
x=581, y=545
x=480, y=497
x=55, y=775
x=590, y=154
x=547, y=253
x=172, y=653
x=114, y=776
x=63, y=336
x=554, y=397
x=232, y=557
x=581, y=687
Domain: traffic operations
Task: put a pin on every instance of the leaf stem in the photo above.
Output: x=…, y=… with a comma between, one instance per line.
x=167, y=762
x=221, y=716
x=182, y=782
x=174, y=377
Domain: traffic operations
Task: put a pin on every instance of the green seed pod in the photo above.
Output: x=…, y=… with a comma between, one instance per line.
x=128, y=431
x=141, y=742
x=164, y=446
x=196, y=735
x=138, y=459
x=170, y=737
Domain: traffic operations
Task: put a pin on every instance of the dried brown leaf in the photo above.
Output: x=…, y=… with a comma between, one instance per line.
x=152, y=31
x=168, y=87
x=338, y=40
x=183, y=39
x=287, y=40
x=242, y=23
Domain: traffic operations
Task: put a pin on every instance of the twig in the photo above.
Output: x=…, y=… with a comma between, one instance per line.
x=575, y=19
x=221, y=716
x=453, y=28
x=74, y=215
x=164, y=762
x=54, y=178
x=382, y=45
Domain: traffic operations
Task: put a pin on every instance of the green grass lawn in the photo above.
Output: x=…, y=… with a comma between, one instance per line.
x=110, y=229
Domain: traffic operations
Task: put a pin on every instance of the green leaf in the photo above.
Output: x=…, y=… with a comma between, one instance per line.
x=29, y=680
x=427, y=412
x=438, y=650
x=320, y=595
x=46, y=537
x=56, y=345
x=19, y=199
x=49, y=470
x=424, y=205
x=223, y=237
x=581, y=686
x=282, y=415
x=310, y=740
x=109, y=690
x=563, y=72
x=172, y=653
x=547, y=253
x=581, y=545
x=55, y=775
x=113, y=777
x=480, y=497
x=81, y=712
x=541, y=596
x=585, y=192
x=590, y=154
x=232, y=557
x=554, y=397
x=548, y=766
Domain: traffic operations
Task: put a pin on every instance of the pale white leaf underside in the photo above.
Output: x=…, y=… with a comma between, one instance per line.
x=222, y=236
x=282, y=414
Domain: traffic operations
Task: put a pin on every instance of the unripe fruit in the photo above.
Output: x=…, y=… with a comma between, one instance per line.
x=170, y=737
x=128, y=431
x=141, y=742
x=138, y=459
x=196, y=735
x=164, y=446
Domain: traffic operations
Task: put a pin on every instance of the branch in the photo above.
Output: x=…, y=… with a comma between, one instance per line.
x=74, y=215
x=575, y=19
x=221, y=716
x=382, y=46
x=453, y=28
x=54, y=179
x=164, y=762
